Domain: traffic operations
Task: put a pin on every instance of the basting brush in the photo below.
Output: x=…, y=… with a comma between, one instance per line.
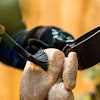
x=40, y=58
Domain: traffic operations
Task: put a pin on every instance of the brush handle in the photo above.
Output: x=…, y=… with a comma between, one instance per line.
x=20, y=50
x=6, y=37
x=13, y=43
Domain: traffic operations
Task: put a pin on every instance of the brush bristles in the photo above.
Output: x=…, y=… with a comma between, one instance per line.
x=41, y=56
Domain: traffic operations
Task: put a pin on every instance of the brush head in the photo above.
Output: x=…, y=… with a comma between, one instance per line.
x=42, y=58
x=2, y=29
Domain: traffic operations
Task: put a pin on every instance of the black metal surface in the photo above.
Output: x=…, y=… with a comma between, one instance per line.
x=87, y=48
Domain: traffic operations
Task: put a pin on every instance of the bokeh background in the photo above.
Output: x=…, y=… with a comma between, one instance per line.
x=75, y=16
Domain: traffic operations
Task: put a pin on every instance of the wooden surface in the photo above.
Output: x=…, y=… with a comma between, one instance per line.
x=74, y=16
